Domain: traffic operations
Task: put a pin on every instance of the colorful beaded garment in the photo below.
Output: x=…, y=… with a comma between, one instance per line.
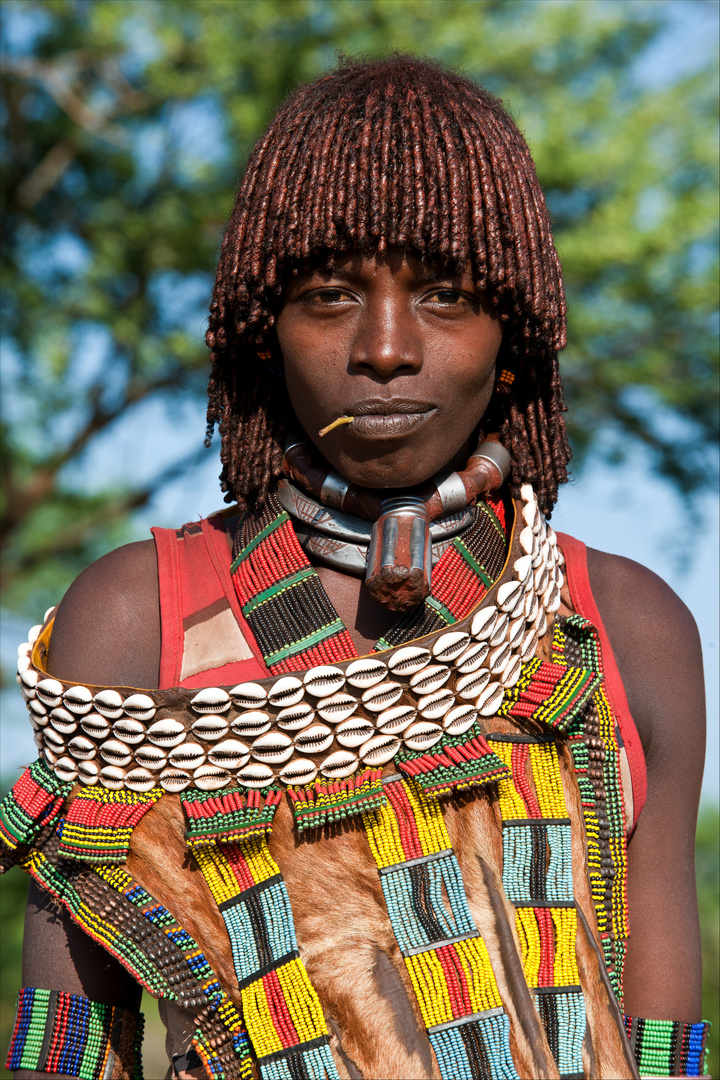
x=666, y=1047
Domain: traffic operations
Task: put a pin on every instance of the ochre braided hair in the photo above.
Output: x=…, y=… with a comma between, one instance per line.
x=391, y=153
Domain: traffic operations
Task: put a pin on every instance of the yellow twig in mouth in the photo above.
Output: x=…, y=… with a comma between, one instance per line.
x=336, y=423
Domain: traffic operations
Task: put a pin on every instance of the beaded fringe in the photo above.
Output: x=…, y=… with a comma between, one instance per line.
x=453, y=764
x=227, y=816
x=324, y=802
x=99, y=824
x=33, y=803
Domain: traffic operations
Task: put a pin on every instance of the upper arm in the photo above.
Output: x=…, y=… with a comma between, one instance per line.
x=657, y=648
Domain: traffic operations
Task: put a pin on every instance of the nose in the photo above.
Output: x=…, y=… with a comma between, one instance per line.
x=386, y=344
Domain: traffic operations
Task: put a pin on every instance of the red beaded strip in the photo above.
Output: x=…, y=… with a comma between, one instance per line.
x=100, y=823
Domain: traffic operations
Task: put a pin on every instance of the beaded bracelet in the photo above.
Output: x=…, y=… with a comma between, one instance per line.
x=70, y=1035
x=667, y=1047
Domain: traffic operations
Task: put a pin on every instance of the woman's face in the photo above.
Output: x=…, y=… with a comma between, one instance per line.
x=407, y=351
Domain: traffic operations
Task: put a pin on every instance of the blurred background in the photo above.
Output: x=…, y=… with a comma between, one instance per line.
x=125, y=126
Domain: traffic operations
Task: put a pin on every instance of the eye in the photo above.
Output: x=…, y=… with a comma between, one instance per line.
x=327, y=295
x=450, y=299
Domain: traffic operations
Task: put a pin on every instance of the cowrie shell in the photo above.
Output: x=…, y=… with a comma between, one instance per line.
x=88, y=772
x=380, y=749
x=541, y=623
x=34, y=633
x=422, y=735
x=66, y=769
x=515, y=633
x=49, y=756
x=115, y=752
x=229, y=754
x=113, y=778
x=511, y=674
x=498, y=658
x=211, y=700
x=528, y=645
x=314, y=739
x=210, y=778
x=255, y=775
x=250, y=724
x=500, y=629
x=167, y=732
x=298, y=771
x=529, y=541
x=354, y=732
x=394, y=721
x=285, y=692
x=430, y=679
x=24, y=648
x=129, y=731
x=210, y=727
x=551, y=536
x=381, y=696
x=273, y=748
x=248, y=695
x=434, y=706
x=95, y=725
x=24, y=665
x=509, y=594
x=460, y=719
x=365, y=672
x=490, y=700
x=139, y=780
x=522, y=568
x=173, y=780
x=29, y=680
x=336, y=708
x=38, y=709
x=552, y=598
x=81, y=748
x=63, y=721
x=449, y=646
x=150, y=757
x=469, y=686
x=542, y=576
x=38, y=720
x=409, y=660
x=296, y=717
x=49, y=691
x=78, y=700
x=531, y=607
x=339, y=765
x=323, y=681
x=139, y=706
x=50, y=611
x=473, y=657
x=483, y=623
x=531, y=514
x=559, y=556
x=188, y=755
x=526, y=493
x=109, y=704
x=53, y=740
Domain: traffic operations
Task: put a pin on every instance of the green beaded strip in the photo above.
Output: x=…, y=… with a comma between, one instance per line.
x=667, y=1047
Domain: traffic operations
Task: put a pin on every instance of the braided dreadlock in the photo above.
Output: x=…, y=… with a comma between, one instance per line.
x=397, y=152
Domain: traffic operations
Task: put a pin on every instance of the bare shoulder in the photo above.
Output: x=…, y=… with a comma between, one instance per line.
x=107, y=627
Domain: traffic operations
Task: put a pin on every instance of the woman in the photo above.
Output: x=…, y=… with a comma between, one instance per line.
x=454, y=893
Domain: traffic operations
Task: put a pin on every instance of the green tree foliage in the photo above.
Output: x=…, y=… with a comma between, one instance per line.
x=125, y=126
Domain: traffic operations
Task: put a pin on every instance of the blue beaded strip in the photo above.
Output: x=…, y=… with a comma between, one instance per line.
x=562, y=1011
x=478, y=1048
x=528, y=876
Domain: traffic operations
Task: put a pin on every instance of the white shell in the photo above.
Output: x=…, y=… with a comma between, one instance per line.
x=115, y=752
x=473, y=657
x=380, y=749
x=422, y=735
x=541, y=579
x=229, y=754
x=190, y=755
x=296, y=717
x=34, y=633
x=23, y=666
x=408, y=660
x=50, y=758
x=53, y=740
x=381, y=696
x=81, y=748
x=298, y=771
x=483, y=623
x=210, y=727
x=434, y=706
x=109, y=703
x=460, y=719
x=139, y=780
x=139, y=706
x=354, y=732
x=150, y=757
x=210, y=778
x=490, y=700
x=50, y=692
x=285, y=692
x=249, y=724
x=469, y=686
x=314, y=739
x=78, y=699
x=88, y=772
x=50, y=611
x=95, y=725
x=522, y=568
x=449, y=646
x=508, y=595
x=29, y=679
x=322, y=681
x=528, y=541
x=553, y=603
x=255, y=775
x=516, y=630
x=37, y=708
x=66, y=769
x=430, y=679
x=511, y=674
x=337, y=708
x=174, y=779
x=394, y=721
x=365, y=672
x=248, y=695
x=530, y=513
x=273, y=748
x=24, y=648
x=211, y=700
x=129, y=731
x=531, y=607
x=339, y=765
x=499, y=658
x=528, y=645
x=63, y=721
x=167, y=732
x=541, y=623
x=500, y=629
x=112, y=777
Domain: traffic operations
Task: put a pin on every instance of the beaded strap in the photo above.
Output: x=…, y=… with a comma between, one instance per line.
x=667, y=1047
x=68, y=1034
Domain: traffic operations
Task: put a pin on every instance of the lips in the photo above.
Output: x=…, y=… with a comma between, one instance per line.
x=388, y=419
